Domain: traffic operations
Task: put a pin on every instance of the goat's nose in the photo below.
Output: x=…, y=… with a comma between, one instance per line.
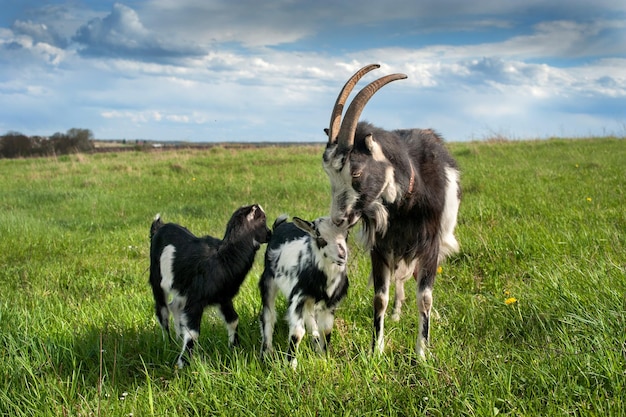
x=342, y=252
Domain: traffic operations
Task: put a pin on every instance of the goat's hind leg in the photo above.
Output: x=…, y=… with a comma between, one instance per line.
x=176, y=307
x=401, y=274
x=267, y=318
x=295, y=314
x=381, y=276
x=161, y=310
x=426, y=281
x=163, y=315
x=399, y=298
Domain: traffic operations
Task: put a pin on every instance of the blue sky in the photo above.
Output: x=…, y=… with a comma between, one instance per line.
x=206, y=70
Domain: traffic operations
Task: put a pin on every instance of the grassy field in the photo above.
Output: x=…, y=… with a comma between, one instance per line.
x=530, y=316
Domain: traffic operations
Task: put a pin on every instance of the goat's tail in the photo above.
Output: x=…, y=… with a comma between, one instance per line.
x=156, y=225
x=279, y=220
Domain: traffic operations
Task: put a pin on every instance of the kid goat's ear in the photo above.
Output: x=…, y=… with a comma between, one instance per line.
x=305, y=226
x=252, y=213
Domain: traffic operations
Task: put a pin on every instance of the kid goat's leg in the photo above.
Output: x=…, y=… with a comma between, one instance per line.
x=161, y=310
x=296, y=327
x=231, y=318
x=325, y=321
x=311, y=324
x=267, y=318
x=190, y=327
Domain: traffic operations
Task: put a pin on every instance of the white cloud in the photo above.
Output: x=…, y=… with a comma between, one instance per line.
x=121, y=33
x=39, y=33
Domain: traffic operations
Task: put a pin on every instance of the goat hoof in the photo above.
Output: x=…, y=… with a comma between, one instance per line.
x=421, y=351
x=266, y=354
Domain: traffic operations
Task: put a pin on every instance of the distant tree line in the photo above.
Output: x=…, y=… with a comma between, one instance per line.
x=18, y=145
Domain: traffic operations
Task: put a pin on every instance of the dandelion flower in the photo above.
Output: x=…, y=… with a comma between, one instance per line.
x=510, y=300
x=589, y=199
x=507, y=293
x=439, y=270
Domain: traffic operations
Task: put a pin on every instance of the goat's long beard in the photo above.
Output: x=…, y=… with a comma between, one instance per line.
x=375, y=220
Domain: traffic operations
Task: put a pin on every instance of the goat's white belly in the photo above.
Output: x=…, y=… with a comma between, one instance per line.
x=167, y=267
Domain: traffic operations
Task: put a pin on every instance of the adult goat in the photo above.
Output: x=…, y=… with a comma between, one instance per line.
x=403, y=186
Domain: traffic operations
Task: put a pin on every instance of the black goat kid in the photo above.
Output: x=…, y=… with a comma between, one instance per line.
x=188, y=273
x=404, y=187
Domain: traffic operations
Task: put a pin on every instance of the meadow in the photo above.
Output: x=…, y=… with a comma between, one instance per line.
x=530, y=316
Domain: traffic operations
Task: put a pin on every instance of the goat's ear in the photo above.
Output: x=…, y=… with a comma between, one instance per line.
x=252, y=213
x=369, y=142
x=305, y=226
x=258, y=213
x=374, y=148
x=326, y=131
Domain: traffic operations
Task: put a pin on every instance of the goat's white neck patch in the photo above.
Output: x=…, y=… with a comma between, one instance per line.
x=390, y=189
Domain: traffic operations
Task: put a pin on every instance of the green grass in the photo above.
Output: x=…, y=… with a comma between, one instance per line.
x=541, y=222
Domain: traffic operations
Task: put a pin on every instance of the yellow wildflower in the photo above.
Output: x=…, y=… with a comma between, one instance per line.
x=439, y=270
x=510, y=300
x=589, y=199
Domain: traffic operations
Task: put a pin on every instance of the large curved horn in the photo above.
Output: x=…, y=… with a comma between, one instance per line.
x=335, y=118
x=345, y=137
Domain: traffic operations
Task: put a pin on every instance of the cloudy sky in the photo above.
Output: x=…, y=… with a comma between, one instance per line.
x=230, y=70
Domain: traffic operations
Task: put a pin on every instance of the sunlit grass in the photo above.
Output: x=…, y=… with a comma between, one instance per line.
x=530, y=316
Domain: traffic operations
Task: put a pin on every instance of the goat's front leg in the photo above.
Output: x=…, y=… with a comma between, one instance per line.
x=310, y=315
x=325, y=319
x=381, y=275
x=190, y=320
x=231, y=318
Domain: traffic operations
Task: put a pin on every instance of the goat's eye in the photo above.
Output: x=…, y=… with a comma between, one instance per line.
x=356, y=174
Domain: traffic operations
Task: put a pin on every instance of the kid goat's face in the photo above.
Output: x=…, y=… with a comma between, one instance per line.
x=258, y=220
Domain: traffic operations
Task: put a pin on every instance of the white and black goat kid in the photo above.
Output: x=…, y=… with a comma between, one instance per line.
x=306, y=261
x=188, y=273
x=403, y=186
